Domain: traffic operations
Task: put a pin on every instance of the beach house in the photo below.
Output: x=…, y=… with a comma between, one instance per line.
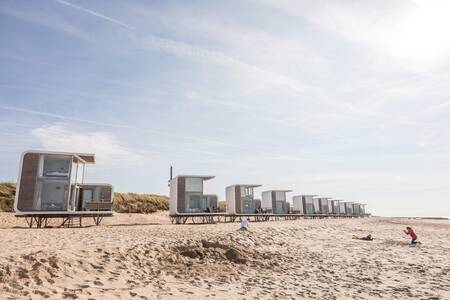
x=240, y=199
x=303, y=204
x=342, y=209
x=51, y=184
x=316, y=206
x=323, y=205
x=274, y=201
x=356, y=209
x=186, y=194
x=349, y=208
x=335, y=204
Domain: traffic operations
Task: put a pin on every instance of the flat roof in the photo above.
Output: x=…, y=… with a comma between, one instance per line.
x=204, y=177
x=87, y=158
x=286, y=191
x=247, y=185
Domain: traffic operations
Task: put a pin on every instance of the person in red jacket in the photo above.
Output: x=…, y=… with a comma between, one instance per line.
x=409, y=231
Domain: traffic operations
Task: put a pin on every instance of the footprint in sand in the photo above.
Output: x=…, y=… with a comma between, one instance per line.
x=99, y=283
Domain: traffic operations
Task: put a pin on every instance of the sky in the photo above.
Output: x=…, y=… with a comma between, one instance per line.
x=345, y=99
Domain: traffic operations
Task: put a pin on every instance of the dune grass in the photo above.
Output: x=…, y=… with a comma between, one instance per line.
x=139, y=203
x=123, y=202
x=7, y=192
x=222, y=206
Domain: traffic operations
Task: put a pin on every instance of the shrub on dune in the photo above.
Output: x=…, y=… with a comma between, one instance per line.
x=139, y=203
x=7, y=193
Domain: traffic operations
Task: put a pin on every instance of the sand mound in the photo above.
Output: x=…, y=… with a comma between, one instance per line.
x=305, y=259
x=214, y=251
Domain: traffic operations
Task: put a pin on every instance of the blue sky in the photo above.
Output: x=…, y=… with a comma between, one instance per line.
x=347, y=99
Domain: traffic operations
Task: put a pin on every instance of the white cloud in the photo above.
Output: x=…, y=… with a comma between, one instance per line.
x=412, y=34
x=107, y=148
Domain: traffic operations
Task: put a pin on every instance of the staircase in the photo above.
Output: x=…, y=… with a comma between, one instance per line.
x=74, y=222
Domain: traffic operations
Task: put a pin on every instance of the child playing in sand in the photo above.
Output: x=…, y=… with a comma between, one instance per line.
x=409, y=231
x=364, y=238
x=245, y=224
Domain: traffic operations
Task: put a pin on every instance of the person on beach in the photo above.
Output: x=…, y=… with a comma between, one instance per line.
x=245, y=224
x=364, y=238
x=409, y=231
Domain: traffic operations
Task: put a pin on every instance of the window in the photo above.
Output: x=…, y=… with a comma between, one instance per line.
x=88, y=195
x=246, y=191
x=51, y=195
x=279, y=207
x=56, y=166
x=195, y=202
x=194, y=184
x=248, y=206
x=280, y=196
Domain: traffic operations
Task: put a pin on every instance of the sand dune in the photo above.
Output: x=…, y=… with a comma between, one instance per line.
x=313, y=259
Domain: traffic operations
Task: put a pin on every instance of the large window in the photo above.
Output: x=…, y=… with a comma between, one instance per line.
x=51, y=195
x=194, y=184
x=53, y=182
x=56, y=166
x=195, y=202
x=280, y=196
x=248, y=206
x=279, y=209
x=246, y=191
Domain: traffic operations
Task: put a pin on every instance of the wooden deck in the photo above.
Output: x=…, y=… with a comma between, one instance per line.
x=211, y=218
x=69, y=219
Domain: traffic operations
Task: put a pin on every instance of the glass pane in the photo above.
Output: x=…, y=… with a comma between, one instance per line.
x=194, y=184
x=194, y=202
x=279, y=207
x=56, y=166
x=248, y=206
x=246, y=191
x=52, y=195
x=280, y=196
x=88, y=195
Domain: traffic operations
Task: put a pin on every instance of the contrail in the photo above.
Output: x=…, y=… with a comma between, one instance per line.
x=91, y=12
x=61, y=117
x=210, y=56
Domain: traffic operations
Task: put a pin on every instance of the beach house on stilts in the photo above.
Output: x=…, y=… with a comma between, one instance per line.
x=51, y=185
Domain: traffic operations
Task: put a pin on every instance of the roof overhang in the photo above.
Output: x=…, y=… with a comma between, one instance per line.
x=204, y=177
x=86, y=158
x=285, y=191
x=248, y=185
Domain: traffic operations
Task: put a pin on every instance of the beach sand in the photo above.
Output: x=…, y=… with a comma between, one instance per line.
x=145, y=257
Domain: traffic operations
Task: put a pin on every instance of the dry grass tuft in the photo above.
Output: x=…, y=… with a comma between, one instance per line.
x=222, y=206
x=7, y=193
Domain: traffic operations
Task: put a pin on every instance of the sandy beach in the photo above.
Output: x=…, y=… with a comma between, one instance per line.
x=145, y=257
